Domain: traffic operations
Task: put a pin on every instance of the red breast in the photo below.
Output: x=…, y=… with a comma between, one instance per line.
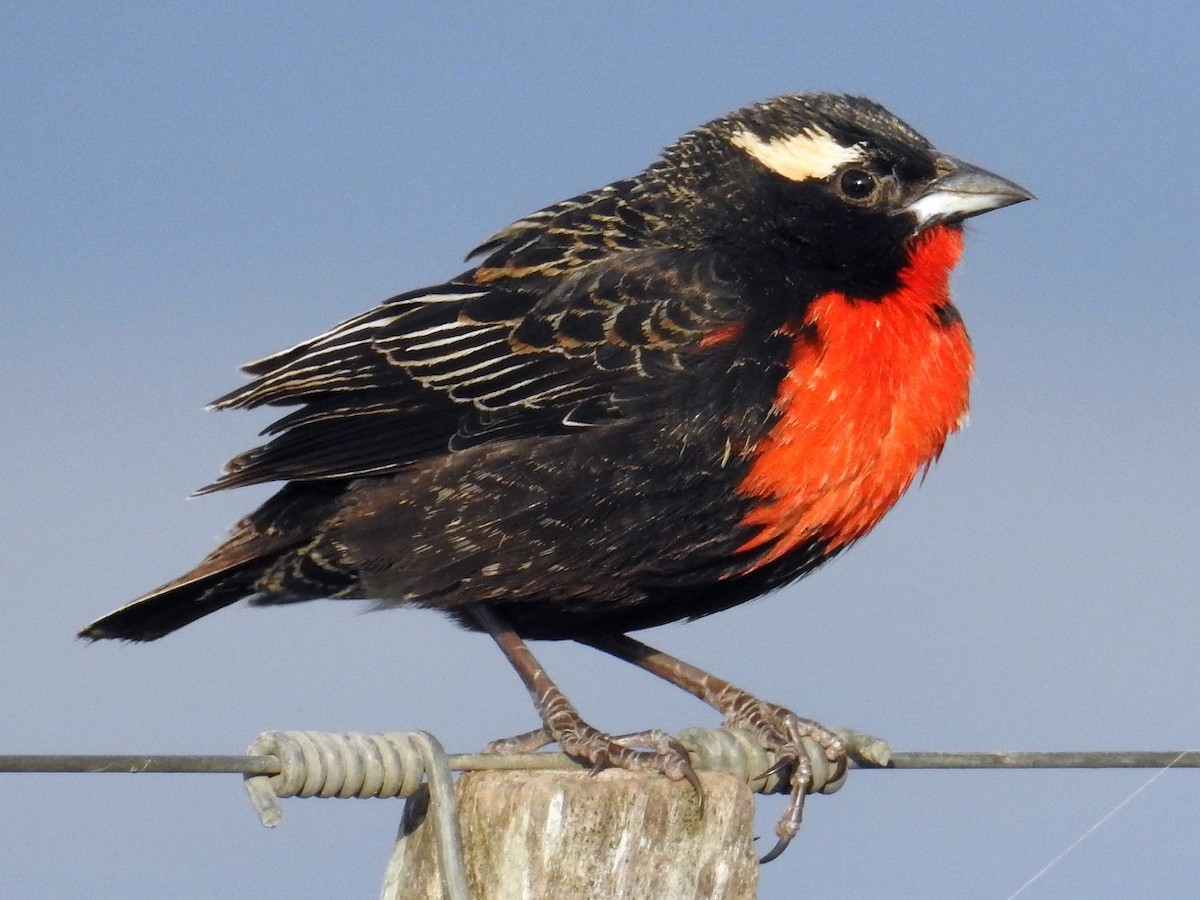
x=873, y=388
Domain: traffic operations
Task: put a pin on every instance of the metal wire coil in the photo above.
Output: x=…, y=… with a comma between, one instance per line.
x=319, y=764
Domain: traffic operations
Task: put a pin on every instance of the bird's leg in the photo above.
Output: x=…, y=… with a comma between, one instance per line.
x=563, y=725
x=779, y=729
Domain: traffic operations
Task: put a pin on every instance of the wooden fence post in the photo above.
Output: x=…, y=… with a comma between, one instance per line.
x=568, y=834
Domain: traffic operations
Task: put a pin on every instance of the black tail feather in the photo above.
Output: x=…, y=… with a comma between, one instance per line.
x=174, y=605
x=230, y=573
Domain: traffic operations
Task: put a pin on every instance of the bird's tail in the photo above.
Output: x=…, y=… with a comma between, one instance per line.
x=204, y=590
x=235, y=570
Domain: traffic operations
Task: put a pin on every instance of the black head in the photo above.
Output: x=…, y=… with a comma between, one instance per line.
x=828, y=182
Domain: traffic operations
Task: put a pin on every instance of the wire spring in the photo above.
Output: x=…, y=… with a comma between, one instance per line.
x=738, y=753
x=321, y=764
x=318, y=764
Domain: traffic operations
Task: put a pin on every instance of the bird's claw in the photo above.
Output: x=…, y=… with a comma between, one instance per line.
x=528, y=742
x=666, y=755
x=799, y=745
x=653, y=751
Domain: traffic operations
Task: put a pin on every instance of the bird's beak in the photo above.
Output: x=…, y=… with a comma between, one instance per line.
x=965, y=190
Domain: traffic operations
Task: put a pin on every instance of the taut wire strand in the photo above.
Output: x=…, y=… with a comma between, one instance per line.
x=255, y=764
x=414, y=765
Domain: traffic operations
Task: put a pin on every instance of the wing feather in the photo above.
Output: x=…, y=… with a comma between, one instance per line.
x=568, y=308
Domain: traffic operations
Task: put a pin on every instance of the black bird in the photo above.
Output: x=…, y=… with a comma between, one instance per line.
x=649, y=402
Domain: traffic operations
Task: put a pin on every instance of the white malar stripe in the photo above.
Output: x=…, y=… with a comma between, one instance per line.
x=940, y=205
x=799, y=157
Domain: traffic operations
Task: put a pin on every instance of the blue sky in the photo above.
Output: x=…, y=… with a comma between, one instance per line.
x=186, y=188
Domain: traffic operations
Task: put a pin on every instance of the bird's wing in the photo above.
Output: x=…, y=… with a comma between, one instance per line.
x=465, y=363
x=571, y=233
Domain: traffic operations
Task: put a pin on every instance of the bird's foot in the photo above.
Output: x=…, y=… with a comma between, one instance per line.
x=810, y=756
x=528, y=742
x=796, y=743
x=642, y=751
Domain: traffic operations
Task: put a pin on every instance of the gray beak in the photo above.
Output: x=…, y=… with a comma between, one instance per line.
x=965, y=191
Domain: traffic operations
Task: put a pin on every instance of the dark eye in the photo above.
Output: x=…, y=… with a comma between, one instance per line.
x=857, y=184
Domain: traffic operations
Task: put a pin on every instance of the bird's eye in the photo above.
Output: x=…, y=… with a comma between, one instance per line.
x=857, y=184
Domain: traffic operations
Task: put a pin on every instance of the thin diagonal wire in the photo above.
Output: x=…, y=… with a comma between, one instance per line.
x=1088, y=833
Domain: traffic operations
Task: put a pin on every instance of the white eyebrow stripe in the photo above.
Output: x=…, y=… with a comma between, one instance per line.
x=813, y=153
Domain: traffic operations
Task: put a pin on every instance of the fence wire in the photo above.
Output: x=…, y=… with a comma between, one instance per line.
x=259, y=764
x=414, y=765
